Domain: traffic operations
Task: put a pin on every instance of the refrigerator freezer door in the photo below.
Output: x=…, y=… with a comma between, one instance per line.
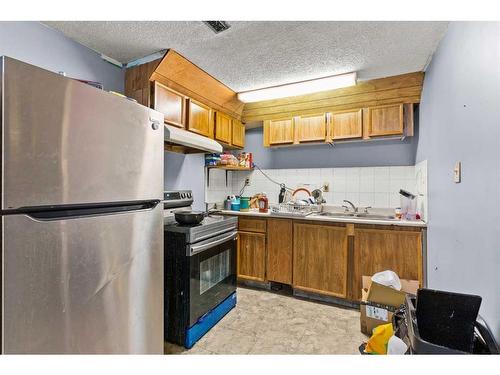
x=65, y=142
x=83, y=285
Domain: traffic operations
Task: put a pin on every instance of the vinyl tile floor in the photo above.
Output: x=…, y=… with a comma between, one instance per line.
x=264, y=322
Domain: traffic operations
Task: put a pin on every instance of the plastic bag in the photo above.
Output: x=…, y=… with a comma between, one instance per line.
x=377, y=344
x=396, y=346
x=387, y=278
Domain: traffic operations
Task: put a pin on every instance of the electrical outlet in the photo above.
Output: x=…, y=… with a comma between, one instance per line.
x=326, y=187
x=247, y=181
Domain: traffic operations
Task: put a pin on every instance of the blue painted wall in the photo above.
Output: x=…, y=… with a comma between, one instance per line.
x=357, y=154
x=184, y=172
x=37, y=44
x=460, y=121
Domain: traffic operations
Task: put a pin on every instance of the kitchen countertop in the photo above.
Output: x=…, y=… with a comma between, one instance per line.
x=316, y=217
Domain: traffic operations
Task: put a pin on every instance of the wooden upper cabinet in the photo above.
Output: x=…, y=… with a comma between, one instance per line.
x=251, y=256
x=281, y=131
x=385, y=120
x=170, y=103
x=200, y=119
x=378, y=250
x=238, y=136
x=345, y=125
x=279, y=250
x=320, y=259
x=310, y=128
x=223, y=127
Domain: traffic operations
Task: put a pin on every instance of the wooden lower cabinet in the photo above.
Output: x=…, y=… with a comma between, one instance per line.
x=325, y=258
x=251, y=256
x=279, y=250
x=320, y=259
x=378, y=250
x=249, y=224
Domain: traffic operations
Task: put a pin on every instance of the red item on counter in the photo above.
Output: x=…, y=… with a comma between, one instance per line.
x=263, y=204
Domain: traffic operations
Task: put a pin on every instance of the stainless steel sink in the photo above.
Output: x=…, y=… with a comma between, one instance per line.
x=337, y=214
x=358, y=215
x=376, y=216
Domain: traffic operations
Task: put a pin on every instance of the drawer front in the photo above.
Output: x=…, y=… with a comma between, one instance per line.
x=252, y=225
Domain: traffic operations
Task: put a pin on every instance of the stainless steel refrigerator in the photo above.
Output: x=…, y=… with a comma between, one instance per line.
x=81, y=223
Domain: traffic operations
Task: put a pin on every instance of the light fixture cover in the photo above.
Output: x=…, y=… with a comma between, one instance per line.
x=299, y=88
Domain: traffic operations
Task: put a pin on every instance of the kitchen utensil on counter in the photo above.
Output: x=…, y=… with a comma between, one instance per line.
x=301, y=190
x=227, y=203
x=245, y=204
x=293, y=209
x=317, y=194
x=408, y=205
x=235, y=204
x=263, y=203
x=281, y=196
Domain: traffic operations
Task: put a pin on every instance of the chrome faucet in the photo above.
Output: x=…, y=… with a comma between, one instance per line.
x=354, y=208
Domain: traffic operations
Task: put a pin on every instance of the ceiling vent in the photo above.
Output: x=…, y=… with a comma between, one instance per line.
x=217, y=26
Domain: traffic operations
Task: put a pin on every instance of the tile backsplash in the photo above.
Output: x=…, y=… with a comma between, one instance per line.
x=366, y=186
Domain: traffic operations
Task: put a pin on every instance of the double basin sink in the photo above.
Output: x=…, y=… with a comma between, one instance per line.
x=357, y=215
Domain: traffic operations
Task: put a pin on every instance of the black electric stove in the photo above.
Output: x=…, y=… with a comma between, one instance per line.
x=200, y=275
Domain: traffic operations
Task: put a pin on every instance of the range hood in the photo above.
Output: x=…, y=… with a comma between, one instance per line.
x=189, y=142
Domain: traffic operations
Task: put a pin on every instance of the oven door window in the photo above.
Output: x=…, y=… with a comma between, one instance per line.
x=213, y=278
x=214, y=270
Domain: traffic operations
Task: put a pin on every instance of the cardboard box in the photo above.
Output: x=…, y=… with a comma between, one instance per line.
x=379, y=302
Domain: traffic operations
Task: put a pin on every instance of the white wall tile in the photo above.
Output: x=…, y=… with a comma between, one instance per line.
x=365, y=186
x=398, y=172
x=338, y=199
x=381, y=185
x=353, y=197
x=381, y=200
x=395, y=200
x=381, y=173
x=366, y=199
x=352, y=183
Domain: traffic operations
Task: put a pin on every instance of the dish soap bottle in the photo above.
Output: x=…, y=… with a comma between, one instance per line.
x=263, y=203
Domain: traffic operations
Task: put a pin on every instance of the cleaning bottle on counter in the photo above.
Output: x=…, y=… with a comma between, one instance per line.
x=263, y=203
x=227, y=203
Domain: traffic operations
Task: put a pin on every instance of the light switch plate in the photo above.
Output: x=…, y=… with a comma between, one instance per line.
x=457, y=172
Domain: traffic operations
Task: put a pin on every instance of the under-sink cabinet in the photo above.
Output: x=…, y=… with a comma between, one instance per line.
x=320, y=258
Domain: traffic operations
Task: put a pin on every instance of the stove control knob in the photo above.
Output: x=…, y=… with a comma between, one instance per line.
x=183, y=195
x=189, y=195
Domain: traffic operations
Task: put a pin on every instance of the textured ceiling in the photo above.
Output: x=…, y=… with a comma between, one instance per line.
x=252, y=55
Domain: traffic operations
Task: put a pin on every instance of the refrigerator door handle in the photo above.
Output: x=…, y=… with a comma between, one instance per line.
x=68, y=212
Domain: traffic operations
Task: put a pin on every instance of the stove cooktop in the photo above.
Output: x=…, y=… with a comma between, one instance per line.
x=210, y=226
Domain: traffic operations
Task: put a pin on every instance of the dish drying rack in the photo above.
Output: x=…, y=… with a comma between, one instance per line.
x=293, y=209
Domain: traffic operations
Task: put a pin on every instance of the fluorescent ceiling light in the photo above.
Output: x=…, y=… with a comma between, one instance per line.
x=299, y=88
